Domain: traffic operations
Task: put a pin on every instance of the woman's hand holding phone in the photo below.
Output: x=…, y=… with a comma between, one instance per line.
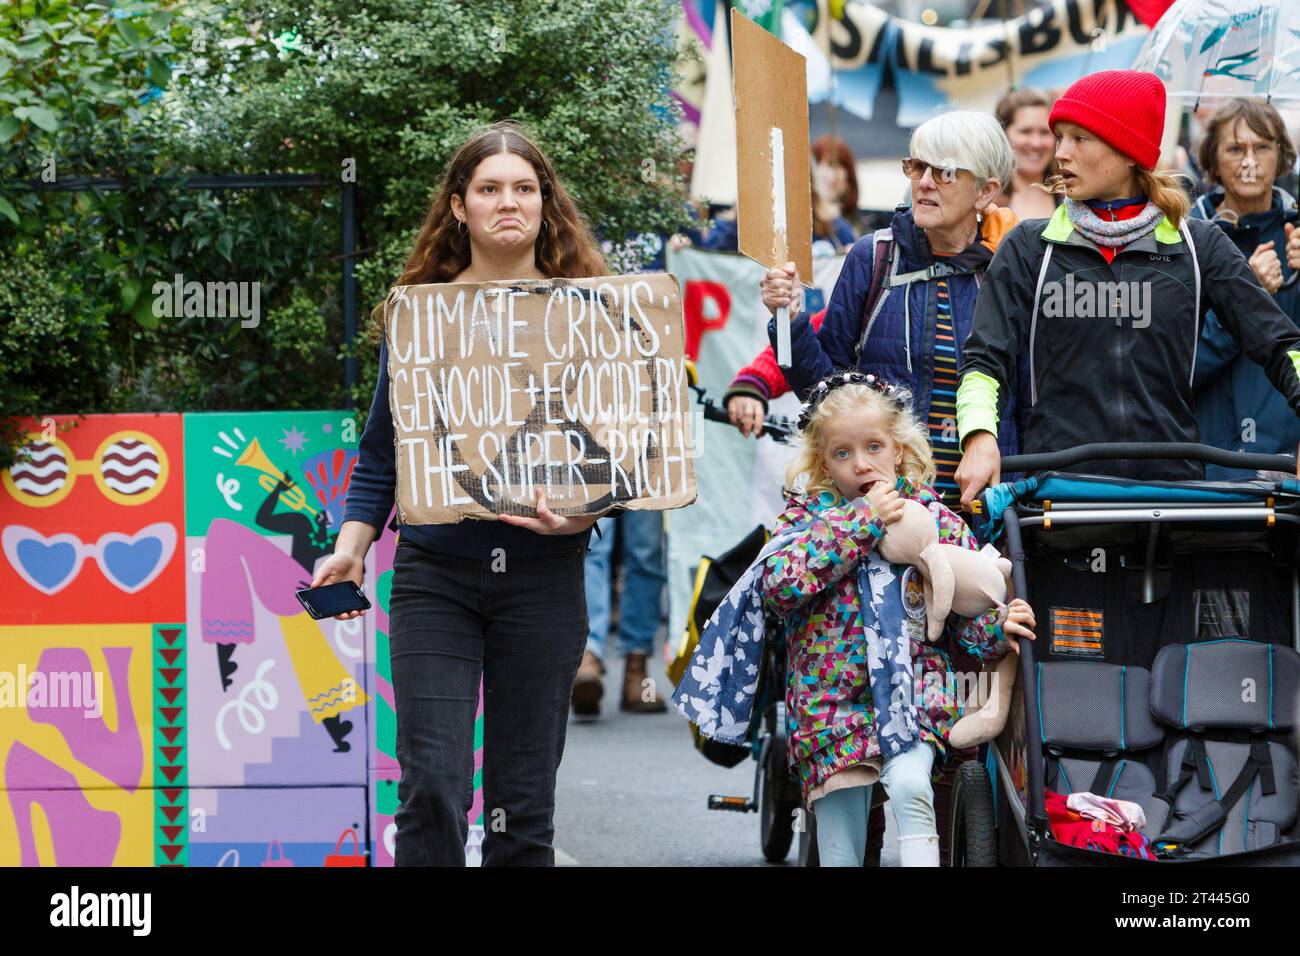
x=347, y=563
x=340, y=566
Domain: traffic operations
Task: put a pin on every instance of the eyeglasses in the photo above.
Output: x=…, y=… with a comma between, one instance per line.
x=915, y=169
x=1263, y=150
x=130, y=468
x=129, y=561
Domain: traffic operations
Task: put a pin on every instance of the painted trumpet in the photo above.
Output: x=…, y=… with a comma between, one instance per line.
x=293, y=496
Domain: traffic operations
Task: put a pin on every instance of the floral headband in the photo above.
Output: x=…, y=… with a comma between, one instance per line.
x=833, y=381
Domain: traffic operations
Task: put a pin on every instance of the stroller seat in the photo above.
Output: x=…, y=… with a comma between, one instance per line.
x=1095, y=720
x=1230, y=770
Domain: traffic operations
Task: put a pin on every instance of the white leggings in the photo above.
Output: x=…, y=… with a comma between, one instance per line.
x=842, y=814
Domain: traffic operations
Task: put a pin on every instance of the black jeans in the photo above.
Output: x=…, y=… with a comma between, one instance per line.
x=523, y=629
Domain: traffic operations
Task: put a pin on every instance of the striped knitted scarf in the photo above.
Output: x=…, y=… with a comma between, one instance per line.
x=1112, y=234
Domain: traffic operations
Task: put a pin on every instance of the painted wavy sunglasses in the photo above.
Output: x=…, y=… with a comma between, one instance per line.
x=128, y=467
x=129, y=561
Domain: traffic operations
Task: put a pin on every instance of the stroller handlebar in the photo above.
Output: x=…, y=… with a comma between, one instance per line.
x=776, y=428
x=1147, y=451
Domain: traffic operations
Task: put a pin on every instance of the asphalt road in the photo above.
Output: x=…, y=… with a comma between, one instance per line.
x=633, y=791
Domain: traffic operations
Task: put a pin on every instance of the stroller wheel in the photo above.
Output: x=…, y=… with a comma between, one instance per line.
x=776, y=812
x=973, y=839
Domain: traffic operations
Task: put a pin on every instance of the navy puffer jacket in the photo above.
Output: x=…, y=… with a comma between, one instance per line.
x=901, y=345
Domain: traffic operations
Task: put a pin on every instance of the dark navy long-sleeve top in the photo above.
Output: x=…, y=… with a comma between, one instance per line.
x=371, y=493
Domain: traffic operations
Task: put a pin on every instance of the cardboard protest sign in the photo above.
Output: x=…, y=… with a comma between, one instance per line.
x=573, y=386
x=771, y=87
x=774, y=188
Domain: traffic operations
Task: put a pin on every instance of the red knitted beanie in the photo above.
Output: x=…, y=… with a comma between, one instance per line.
x=1126, y=108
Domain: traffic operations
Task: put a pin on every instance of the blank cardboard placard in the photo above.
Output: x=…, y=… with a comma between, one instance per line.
x=576, y=387
x=771, y=87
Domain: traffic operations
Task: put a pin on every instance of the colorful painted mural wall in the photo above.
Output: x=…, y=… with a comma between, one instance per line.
x=164, y=698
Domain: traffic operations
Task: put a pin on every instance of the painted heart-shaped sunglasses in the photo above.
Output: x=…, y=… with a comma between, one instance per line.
x=129, y=561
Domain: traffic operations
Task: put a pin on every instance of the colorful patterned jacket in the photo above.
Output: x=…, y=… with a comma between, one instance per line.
x=831, y=718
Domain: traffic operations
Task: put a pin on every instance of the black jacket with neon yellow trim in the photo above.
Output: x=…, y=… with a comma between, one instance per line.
x=1115, y=373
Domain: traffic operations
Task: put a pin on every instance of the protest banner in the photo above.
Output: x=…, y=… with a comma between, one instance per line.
x=850, y=47
x=739, y=479
x=576, y=387
x=1049, y=46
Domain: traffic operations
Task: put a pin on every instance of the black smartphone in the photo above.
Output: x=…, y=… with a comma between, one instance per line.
x=333, y=599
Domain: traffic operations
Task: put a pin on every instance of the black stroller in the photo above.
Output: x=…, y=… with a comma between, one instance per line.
x=1164, y=672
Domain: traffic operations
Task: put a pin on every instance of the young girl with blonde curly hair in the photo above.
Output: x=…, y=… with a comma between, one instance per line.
x=865, y=698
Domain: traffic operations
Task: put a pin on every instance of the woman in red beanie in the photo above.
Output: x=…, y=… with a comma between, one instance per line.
x=1108, y=297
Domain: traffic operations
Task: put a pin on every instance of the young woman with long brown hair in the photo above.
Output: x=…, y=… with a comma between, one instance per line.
x=503, y=600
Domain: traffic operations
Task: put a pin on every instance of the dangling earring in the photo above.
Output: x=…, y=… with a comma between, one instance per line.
x=461, y=227
x=541, y=232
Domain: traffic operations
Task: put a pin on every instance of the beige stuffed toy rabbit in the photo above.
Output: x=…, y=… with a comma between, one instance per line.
x=964, y=582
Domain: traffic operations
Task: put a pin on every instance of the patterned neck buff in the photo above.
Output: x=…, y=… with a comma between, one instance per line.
x=1112, y=234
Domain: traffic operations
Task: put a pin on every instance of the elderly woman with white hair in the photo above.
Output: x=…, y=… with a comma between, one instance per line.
x=903, y=304
x=902, y=309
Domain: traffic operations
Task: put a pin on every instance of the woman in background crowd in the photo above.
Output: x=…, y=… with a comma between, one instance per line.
x=835, y=192
x=1023, y=115
x=1246, y=148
